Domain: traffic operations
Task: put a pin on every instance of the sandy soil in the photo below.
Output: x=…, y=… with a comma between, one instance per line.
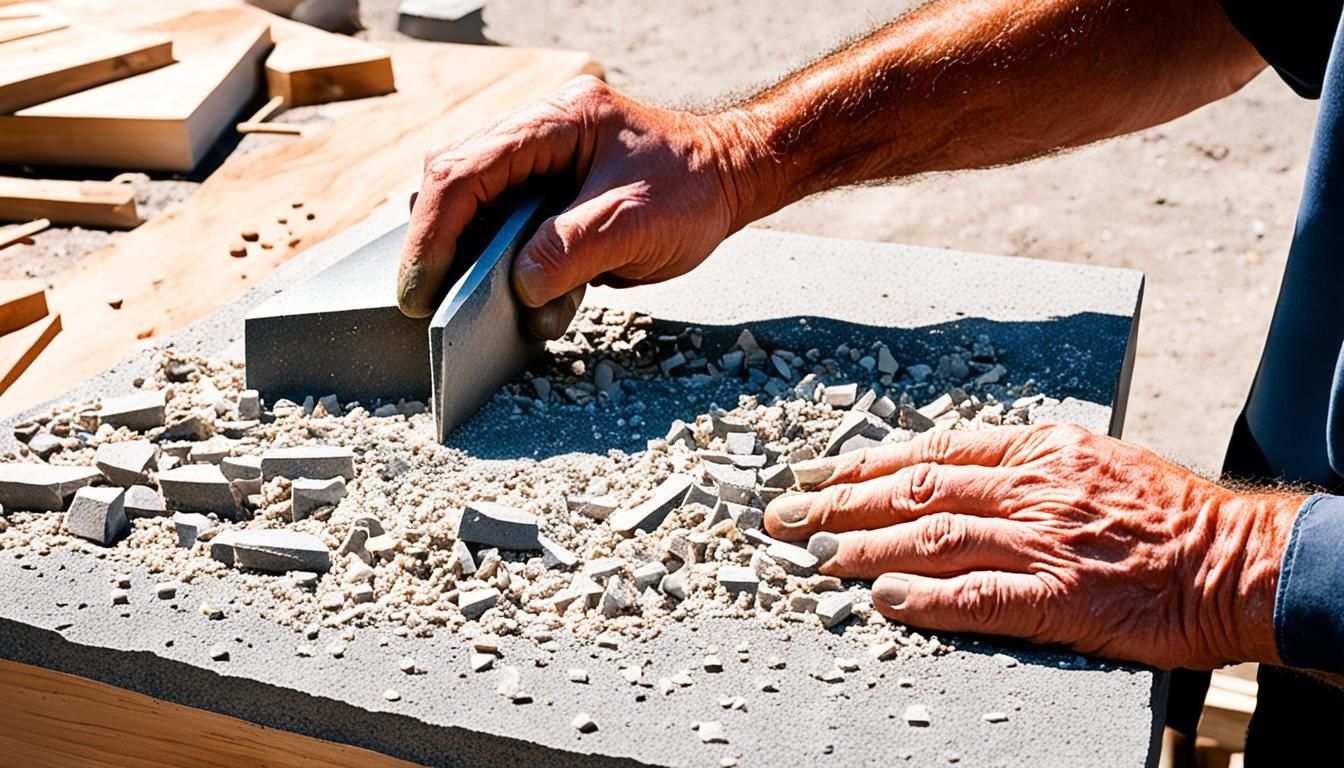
x=1178, y=202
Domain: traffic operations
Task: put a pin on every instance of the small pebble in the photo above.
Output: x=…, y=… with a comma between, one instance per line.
x=916, y=715
x=583, y=723
x=407, y=665
x=120, y=597
x=337, y=650
x=391, y=694
x=995, y=717
x=219, y=652
x=578, y=675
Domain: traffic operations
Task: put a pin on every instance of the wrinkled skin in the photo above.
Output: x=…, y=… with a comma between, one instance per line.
x=1055, y=535
x=658, y=190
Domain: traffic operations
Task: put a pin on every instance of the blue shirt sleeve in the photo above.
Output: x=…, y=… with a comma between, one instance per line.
x=1309, y=606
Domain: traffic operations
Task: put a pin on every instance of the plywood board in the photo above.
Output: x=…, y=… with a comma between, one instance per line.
x=22, y=20
x=52, y=718
x=87, y=203
x=13, y=234
x=314, y=70
x=18, y=349
x=44, y=67
x=177, y=268
x=22, y=302
x=161, y=120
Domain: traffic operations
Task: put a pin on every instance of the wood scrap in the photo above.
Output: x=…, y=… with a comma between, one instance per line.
x=18, y=349
x=165, y=119
x=14, y=234
x=87, y=203
x=176, y=268
x=257, y=122
x=23, y=20
x=313, y=70
x=22, y=303
x=44, y=67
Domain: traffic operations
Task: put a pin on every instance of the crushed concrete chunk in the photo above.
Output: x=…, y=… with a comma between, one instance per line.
x=166, y=591
x=480, y=662
x=617, y=597
x=219, y=652
x=577, y=675
x=127, y=463
x=211, y=451
x=711, y=732
x=737, y=578
x=723, y=425
x=317, y=462
x=680, y=432
x=884, y=651
x=498, y=525
x=834, y=608
x=917, y=715
x=777, y=476
x=609, y=640
x=143, y=501
x=199, y=488
x=603, y=568
x=460, y=561
x=914, y=420
x=649, y=575
x=511, y=686
x=280, y=551
x=841, y=395
x=42, y=487
x=391, y=694
x=475, y=602
x=995, y=717
x=651, y=513
x=97, y=514
x=308, y=496
x=241, y=467
x=740, y=443
x=855, y=424
x=138, y=412
x=712, y=663
x=674, y=585
x=584, y=723
x=793, y=558
x=596, y=507
x=249, y=404
x=553, y=555
x=847, y=665
x=189, y=526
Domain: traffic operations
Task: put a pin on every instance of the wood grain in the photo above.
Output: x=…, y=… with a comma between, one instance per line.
x=22, y=20
x=313, y=70
x=18, y=349
x=12, y=235
x=44, y=67
x=1228, y=708
x=177, y=268
x=88, y=203
x=22, y=302
x=55, y=719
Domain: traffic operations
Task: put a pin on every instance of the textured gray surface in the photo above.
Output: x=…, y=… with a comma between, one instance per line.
x=1067, y=325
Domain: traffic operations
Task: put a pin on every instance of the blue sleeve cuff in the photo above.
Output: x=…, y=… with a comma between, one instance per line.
x=1309, y=606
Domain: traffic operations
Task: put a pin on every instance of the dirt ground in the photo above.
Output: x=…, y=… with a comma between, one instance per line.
x=1179, y=202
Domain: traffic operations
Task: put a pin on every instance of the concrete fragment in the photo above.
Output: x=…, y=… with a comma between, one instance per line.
x=308, y=496
x=193, y=427
x=711, y=732
x=855, y=424
x=995, y=717
x=777, y=476
x=793, y=558
x=884, y=651
x=744, y=517
x=143, y=501
x=219, y=652
x=553, y=555
x=650, y=514
x=498, y=525
x=475, y=602
x=362, y=593
x=241, y=467
x=723, y=425
x=42, y=487
x=137, y=412
x=886, y=362
x=841, y=395
x=127, y=463
x=917, y=715
x=649, y=575
x=280, y=551
x=738, y=578
x=44, y=444
x=97, y=514
x=584, y=723
x=199, y=488
x=680, y=433
x=249, y=404
x=210, y=451
x=883, y=408
x=914, y=420
x=616, y=598
x=740, y=443
x=210, y=611
x=317, y=462
x=596, y=507
x=732, y=483
x=577, y=675
x=166, y=590
x=391, y=694
x=510, y=686
x=834, y=608
x=461, y=561
x=705, y=495
x=189, y=526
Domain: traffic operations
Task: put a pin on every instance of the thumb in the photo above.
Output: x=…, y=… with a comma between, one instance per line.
x=571, y=249
x=986, y=602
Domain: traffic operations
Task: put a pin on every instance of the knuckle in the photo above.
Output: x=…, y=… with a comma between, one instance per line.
x=835, y=502
x=923, y=481
x=942, y=535
x=939, y=446
x=549, y=247
x=980, y=600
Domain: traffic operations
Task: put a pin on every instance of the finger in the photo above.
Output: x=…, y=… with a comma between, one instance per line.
x=987, y=602
x=458, y=182
x=940, y=544
x=899, y=497
x=550, y=321
x=592, y=237
x=986, y=448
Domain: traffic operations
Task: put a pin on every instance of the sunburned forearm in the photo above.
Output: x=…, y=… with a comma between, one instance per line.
x=973, y=83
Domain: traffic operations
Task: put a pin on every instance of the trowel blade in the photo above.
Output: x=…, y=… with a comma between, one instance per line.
x=477, y=340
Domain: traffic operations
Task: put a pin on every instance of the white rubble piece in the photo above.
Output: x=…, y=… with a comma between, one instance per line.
x=793, y=558
x=461, y=560
x=596, y=507
x=241, y=467
x=617, y=597
x=680, y=433
x=740, y=443
x=584, y=723
x=127, y=463
x=497, y=525
x=649, y=575
x=743, y=516
x=553, y=555
x=704, y=495
x=475, y=602
x=211, y=451
x=650, y=514
x=586, y=590
x=510, y=686
x=885, y=650
x=138, y=412
x=308, y=496
x=841, y=395
x=674, y=585
x=42, y=487
x=995, y=717
x=857, y=430
x=577, y=675
x=97, y=514
x=777, y=476
x=317, y=462
x=913, y=420
x=480, y=662
x=917, y=715
x=143, y=501
x=732, y=483
x=723, y=425
x=738, y=578
x=249, y=405
x=189, y=526
x=280, y=551
x=711, y=732
x=883, y=408
x=834, y=608
x=199, y=488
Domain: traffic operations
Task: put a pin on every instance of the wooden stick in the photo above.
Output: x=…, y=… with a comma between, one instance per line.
x=88, y=203
x=18, y=349
x=277, y=128
x=12, y=235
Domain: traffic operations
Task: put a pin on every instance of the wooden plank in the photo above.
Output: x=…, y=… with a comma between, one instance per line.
x=87, y=203
x=12, y=235
x=160, y=120
x=46, y=67
x=55, y=719
x=22, y=20
x=177, y=268
x=18, y=349
x=314, y=70
x=1228, y=708
x=22, y=302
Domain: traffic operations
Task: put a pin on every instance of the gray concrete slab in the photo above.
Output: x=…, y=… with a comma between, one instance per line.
x=1071, y=326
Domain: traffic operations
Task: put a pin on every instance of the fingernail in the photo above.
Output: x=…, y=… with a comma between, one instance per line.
x=891, y=591
x=530, y=279
x=823, y=546
x=812, y=472
x=789, y=509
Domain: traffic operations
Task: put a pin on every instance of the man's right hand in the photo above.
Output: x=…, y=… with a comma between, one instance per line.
x=658, y=190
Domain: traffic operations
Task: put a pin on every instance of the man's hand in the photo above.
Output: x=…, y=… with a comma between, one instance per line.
x=658, y=190
x=1055, y=535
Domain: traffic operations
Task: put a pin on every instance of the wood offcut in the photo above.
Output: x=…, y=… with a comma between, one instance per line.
x=45, y=67
x=85, y=203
